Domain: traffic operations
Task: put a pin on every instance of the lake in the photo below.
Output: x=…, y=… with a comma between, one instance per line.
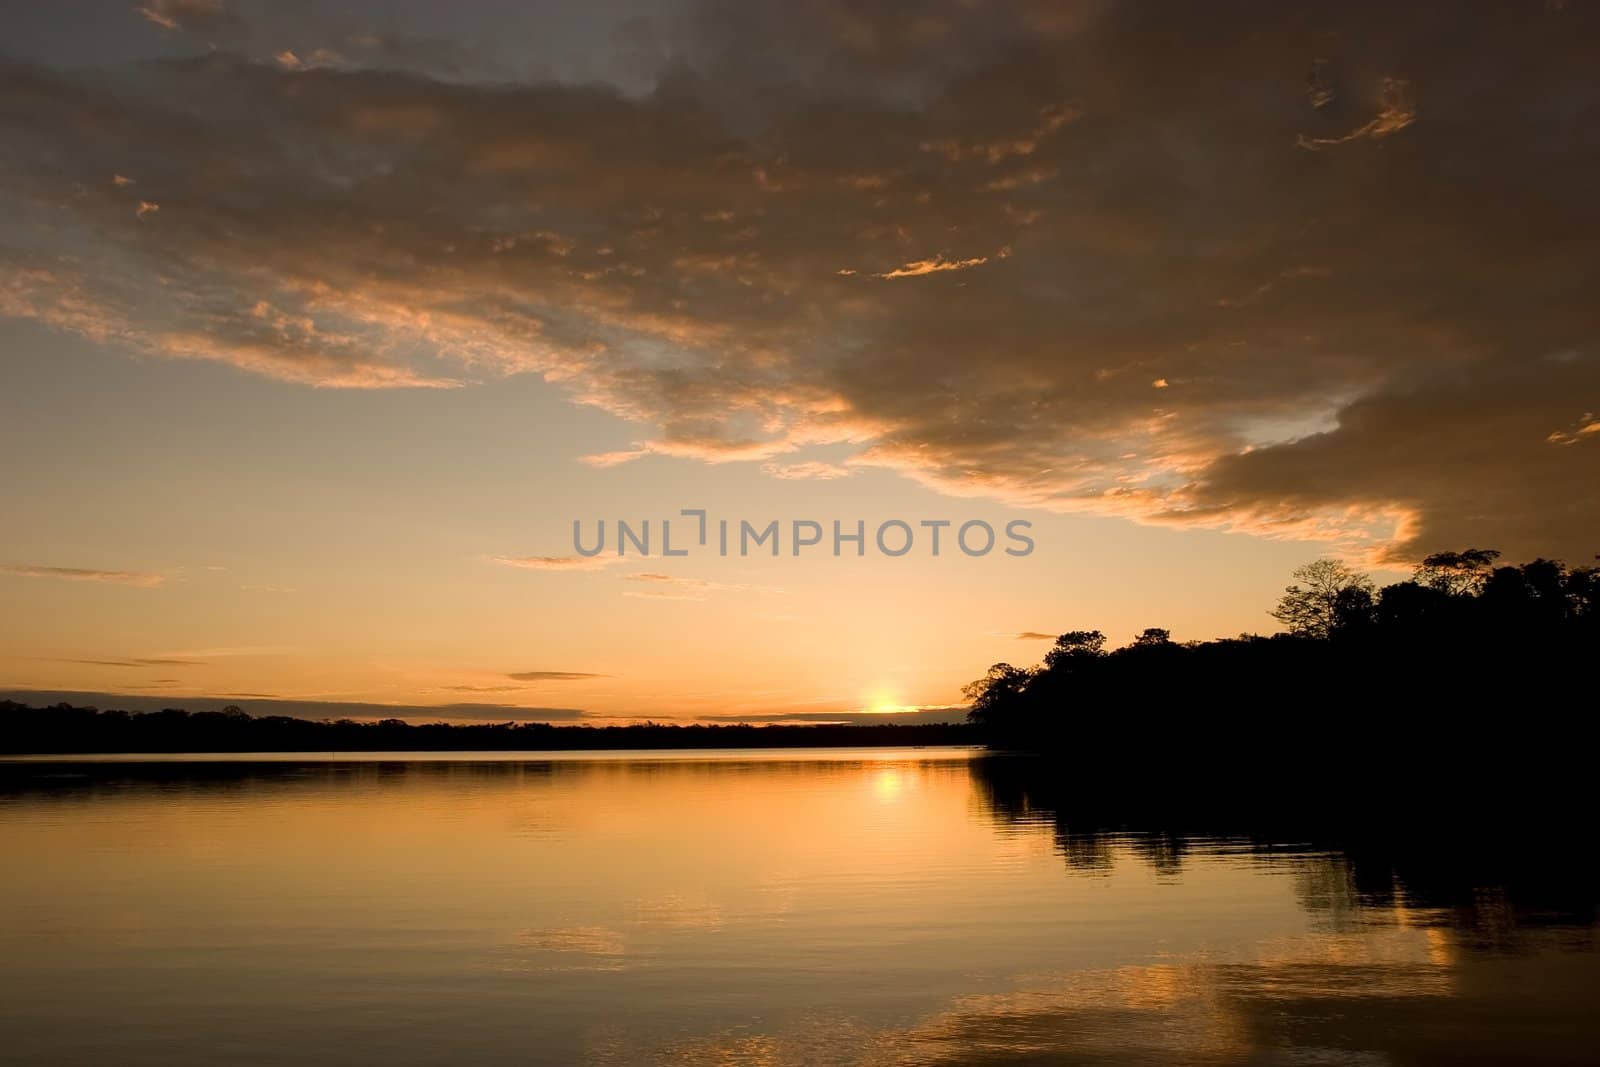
x=757, y=907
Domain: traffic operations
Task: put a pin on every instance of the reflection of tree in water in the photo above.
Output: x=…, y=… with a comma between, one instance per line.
x=1324, y=887
x=1486, y=867
x=1086, y=853
x=1163, y=851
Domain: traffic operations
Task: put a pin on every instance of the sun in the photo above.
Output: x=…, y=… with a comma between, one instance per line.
x=885, y=701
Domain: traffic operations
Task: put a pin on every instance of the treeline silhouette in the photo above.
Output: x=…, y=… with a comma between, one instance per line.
x=66, y=729
x=1465, y=657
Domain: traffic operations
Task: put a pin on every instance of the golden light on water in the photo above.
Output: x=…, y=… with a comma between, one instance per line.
x=888, y=784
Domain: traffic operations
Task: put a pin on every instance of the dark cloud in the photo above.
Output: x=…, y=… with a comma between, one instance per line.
x=952, y=713
x=492, y=713
x=1034, y=635
x=298, y=709
x=1481, y=458
x=485, y=688
x=198, y=15
x=553, y=676
x=138, y=662
x=1117, y=258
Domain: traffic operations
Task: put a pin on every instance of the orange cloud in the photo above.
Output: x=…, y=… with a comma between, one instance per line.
x=556, y=563
x=82, y=574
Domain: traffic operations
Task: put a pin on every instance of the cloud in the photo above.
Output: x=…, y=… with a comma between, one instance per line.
x=1424, y=451
x=673, y=587
x=1585, y=427
x=184, y=14
x=665, y=594
x=1396, y=111
x=491, y=713
x=810, y=469
x=81, y=574
x=557, y=563
x=263, y=705
x=1033, y=635
x=707, y=449
x=615, y=459
x=936, y=265
x=667, y=587
x=227, y=652
x=553, y=676
x=1072, y=207
x=907, y=716
x=155, y=662
x=485, y=688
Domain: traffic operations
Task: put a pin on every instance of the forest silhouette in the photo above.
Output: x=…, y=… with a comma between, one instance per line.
x=1466, y=656
x=64, y=729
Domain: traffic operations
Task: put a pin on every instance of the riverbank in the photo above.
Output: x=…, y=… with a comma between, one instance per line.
x=28, y=730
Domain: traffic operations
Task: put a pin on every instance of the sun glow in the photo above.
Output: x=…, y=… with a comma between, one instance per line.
x=884, y=701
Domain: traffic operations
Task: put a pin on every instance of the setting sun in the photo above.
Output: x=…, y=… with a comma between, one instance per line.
x=884, y=701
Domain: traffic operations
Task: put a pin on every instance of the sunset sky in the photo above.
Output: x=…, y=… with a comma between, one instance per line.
x=321, y=324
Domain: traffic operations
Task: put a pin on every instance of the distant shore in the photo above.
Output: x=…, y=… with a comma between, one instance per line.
x=65, y=731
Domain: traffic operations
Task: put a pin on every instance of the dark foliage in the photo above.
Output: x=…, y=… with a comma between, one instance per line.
x=1387, y=673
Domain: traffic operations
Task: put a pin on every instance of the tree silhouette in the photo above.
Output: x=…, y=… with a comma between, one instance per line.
x=1355, y=610
x=1075, y=646
x=1457, y=573
x=1310, y=607
x=995, y=693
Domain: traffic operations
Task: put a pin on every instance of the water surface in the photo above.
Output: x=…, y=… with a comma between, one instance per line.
x=763, y=908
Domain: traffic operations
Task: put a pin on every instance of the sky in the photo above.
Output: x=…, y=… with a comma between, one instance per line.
x=321, y=325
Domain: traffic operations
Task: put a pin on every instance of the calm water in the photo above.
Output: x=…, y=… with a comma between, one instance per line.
x=872, y=907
